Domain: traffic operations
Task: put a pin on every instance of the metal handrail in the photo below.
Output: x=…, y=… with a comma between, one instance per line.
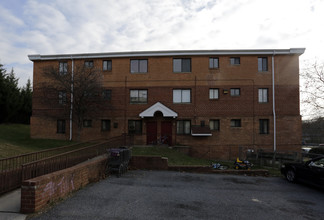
x=12, y=178
x=15, y=162
x=68, y=159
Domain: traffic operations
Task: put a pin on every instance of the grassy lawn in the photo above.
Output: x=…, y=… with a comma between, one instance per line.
x=15, y=140
x=174, y=157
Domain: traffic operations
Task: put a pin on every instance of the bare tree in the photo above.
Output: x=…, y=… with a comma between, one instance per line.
x=77, y=91
x=312, y=88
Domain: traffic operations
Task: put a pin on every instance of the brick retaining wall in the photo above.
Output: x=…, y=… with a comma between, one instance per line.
x=149, y=163
x=161, y=163
x=39, y=192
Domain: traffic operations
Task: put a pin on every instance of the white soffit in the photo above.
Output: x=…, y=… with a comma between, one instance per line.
x=298, y=51
x=158, y=107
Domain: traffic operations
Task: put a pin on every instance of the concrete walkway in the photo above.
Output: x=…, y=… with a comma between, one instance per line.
x=10, y=206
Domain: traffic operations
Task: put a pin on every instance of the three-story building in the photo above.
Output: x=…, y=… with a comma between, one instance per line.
x=215, y=101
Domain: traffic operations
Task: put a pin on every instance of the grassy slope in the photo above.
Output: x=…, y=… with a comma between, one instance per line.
x=15, y=140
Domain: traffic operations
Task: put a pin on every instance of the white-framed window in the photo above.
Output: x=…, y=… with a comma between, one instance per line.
x=214, y=124
x=138, y=66
x=213, y=93
x=105, y=125
x=62, y=97
x=213, y=63
x=106, y=94
x=263, y=95
x=235, y=123
x=61, y=126
x=138, y=96
x=87, y=123
x=235, y=60
x=181, y=96
x=262, y=64
x=235, y=92
x=264, y=126
x=106, y=65
x=183, y=126
x=88, y=64
x=63, y=66
x=181, y=65
x=134, y=127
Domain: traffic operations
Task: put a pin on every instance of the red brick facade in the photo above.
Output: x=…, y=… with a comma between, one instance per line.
x=160, y=81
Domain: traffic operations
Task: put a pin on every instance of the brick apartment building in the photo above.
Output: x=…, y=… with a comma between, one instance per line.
x=215, y=101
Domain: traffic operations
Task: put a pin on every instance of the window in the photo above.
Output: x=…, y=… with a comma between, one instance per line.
x=181, y=65
x=63, y=68
x=264, y=126
x=213, y=93
x=262, y=64
x=213, y=63
x=183, y=127
x=236, y=123
x=62, y=97
x=88, y=64
x=105, y=125
x=61, y=126
x=88, y=94
x=138, y=66
x=87, y=123
x=181, y=96
x=214, y=125
x=138, y=96
x=235, y=92
x=106, y=65
x=134, y=127
x=106, y=94
x=235, y=61
x=263, y=95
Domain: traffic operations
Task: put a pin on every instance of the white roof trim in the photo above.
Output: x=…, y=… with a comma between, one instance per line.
x=201, y=135
x=158, y=107
x=35, y=57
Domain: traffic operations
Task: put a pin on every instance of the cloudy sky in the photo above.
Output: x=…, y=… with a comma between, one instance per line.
x=79, y=26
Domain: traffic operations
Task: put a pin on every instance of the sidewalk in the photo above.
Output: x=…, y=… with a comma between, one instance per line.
x=10, y=206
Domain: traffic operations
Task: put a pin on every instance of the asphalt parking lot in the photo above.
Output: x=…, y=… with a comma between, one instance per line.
x=176, y=195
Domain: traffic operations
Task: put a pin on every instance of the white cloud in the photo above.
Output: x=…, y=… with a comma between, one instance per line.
x=8, y=18
x=72, y=26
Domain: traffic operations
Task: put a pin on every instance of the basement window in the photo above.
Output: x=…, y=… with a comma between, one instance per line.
x=105, y=125
x=87, y=123
x=61, y=126
x=183, y=127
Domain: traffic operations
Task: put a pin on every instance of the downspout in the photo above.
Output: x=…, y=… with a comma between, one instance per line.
x=71, y=107
x=274, y=106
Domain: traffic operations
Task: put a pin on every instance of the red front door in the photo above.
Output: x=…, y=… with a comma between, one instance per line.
x=151, y=132
x=166, y=132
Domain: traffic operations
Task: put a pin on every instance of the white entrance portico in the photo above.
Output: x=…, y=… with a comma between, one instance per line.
x=159, y=123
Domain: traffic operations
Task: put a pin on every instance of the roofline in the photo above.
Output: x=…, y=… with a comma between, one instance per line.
x=297, y=51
